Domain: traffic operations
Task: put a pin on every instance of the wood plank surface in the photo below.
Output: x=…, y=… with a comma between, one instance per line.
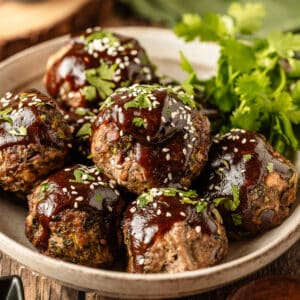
x=38, y=287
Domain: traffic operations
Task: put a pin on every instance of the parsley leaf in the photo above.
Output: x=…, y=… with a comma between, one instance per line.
x=84, y=131
x=140, y=101
x=139, y=122
x=4, y=115
x=237, y=219
x=257, y=84
x=248, y=18
x=81, y=176
x=101, y=81
x=20, y=131
x=144, y=199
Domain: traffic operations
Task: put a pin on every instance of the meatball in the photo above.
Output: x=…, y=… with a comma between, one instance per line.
x=34, y=139
x=74, y=215
x=149, y=136
x=92, y=65
x=169, y=230
x=252, y=184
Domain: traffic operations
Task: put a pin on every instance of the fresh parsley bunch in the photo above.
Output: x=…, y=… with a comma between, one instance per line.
x=257, y=85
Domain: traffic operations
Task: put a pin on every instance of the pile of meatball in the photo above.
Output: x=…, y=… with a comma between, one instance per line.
x=119, y=170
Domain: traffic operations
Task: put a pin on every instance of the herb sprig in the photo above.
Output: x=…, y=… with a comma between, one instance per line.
x=257, y=85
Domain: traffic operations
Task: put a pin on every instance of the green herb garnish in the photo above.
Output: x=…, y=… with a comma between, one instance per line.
x=139, y=122
x=229, y=204
x=4, y=115
x=20, y=131
x=100, y=35
x=247, y=157
x=237, y=219
x=270, y=167
x=100, y=80
x=81, y=176
x=98, y=198
x=140, y=101
x=257, y=85
x=84, y=131
x=200, y=206
x=144, y=199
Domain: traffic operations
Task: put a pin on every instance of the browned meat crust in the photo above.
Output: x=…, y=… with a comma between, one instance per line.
x=168, y=147
x=74, y=215
x=112, y=60
x=35, y=139
x=253, y=184
x=168, y=233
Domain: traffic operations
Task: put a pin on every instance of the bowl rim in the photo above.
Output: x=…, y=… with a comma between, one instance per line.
x=278, y=245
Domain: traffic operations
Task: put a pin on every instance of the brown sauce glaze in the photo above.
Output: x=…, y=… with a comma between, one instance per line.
x=239, y=159
x=69, y=66
x=166, y=139
x=32, y=118
x=145, y=225
x=89, y=191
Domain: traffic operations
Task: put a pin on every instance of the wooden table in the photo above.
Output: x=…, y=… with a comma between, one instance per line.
x=38, y=287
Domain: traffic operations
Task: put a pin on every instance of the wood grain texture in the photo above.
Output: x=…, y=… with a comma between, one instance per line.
x=38, y=287
x=28, y=23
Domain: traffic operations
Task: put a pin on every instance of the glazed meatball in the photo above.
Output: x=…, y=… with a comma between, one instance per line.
x=92, y=65
x=169, y=230
x=149, y=136
x=252, y=184
x=74, y=215
x=34, y=139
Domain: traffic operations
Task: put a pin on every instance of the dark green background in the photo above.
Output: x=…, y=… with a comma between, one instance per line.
x=281, y=15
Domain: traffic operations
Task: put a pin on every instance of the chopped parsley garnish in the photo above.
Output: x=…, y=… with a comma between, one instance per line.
x=257, y=84
x=229, y=204
x=200, y=206
x=100, y=35
x=81, y=176
x=4, y=115
x=100, y=80
x=84, y=131
x=140, y=101
x=20, y=131
x=247, y=157
x=89, y=92
x=144, y=199
x=237, y=219
x=139, y=122
x=107, y=103
x=270, y=167
x=44, y=187
x=81, y=111
x=98, y=198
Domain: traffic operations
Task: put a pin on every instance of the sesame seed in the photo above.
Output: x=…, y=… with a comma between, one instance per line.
x=198, y=229
x=65, y=190
x=244, y=141
x=79, y=198
x=73, y=187
x=141, y=261
x=235, y=150
x=182, y=213
x=168, y=156
x=184, y=151
x=74, y=193
x=224, y=148
x=168, y=214
x=154, y=205
x=132, y=209
x=75, y=204
x=252, y=141
x=148, y=138
x=158, y=212
x=165, y=149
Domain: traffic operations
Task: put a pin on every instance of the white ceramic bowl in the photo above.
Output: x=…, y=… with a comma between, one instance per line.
x=25, y=70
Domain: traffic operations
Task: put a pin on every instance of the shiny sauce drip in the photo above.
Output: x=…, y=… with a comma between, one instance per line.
x=165, y=142
x=145, y=225
x=94, y=193
x=33, y=119
x=71, y=62
x=242, y=159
